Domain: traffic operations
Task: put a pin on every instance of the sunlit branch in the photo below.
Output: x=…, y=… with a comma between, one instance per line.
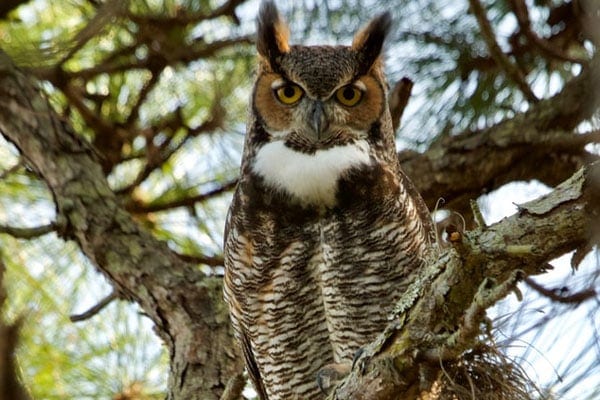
x=95, y=309
x=185, y=55
x=511, y=70
x=161, y=155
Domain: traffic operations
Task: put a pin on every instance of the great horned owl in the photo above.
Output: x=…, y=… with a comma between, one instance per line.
x=324, y=231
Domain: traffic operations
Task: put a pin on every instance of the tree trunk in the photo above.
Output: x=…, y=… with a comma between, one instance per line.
x=185, y=305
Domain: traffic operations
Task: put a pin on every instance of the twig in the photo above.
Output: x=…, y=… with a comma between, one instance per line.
x=95, y=309
x=146, y=89
x=214, y=261
x=555, y=295
x=522, y=14
x=477, y=215
x=10, y=170
x=27, y=233
x=137, y=207
x=487, y=295
x=513, y=72
x=164, y=151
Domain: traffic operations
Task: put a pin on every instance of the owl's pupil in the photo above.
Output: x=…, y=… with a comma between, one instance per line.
x=289, y=91
x=348, y=93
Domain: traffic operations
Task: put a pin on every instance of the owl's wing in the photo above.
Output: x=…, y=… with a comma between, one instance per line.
x=422, y=208
x=252, y=368
x=250, y=361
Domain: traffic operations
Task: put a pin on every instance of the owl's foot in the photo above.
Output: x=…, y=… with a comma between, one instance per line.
x=329, y=376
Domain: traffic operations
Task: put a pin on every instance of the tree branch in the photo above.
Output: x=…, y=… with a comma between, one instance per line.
x=27, y=233
x=441, y=312
x=511, y=70
x=511, y=150
x=557, y=295
x=521, y=12
x=186, y=201
x=95, y=309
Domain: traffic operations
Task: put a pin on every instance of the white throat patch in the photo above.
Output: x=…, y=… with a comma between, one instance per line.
x=311, y=178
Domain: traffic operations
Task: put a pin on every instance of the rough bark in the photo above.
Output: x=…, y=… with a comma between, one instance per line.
x=185, y=305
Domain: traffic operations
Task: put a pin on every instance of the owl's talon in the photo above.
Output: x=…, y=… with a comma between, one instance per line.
x=330, y=375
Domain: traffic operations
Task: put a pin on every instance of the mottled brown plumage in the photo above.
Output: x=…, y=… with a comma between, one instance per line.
x=324, y=231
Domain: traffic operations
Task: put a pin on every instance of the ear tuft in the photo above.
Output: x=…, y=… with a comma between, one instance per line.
x=368, y=42
x=272, y=33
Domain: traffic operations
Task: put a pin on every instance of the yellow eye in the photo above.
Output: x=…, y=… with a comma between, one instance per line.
x=289, y=94
x=348, y=95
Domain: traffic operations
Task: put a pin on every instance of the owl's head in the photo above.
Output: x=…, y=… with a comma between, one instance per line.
x=318, y=112
x=314, y=97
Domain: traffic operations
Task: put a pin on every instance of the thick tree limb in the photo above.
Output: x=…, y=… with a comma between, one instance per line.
x=186, y=307
x=512, y=150
x=440, y=315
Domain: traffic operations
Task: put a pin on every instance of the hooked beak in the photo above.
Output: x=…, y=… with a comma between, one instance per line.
x=318, y=120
